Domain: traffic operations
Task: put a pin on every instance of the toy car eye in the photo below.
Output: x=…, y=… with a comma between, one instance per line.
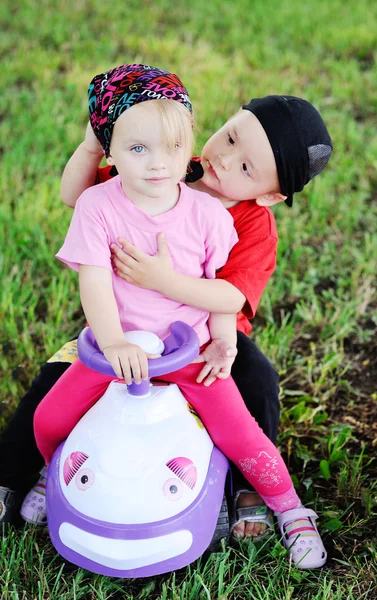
x=173, y=489
x=84, y=479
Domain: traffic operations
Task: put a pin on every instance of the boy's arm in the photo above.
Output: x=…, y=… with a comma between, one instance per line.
x=156, y=273
x=219, y=355
x=81, y=169
x=101, y=311
x=207, y=294
x=238, y=285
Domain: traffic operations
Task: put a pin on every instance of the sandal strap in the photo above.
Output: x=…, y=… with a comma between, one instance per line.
x=259, y=513
x=294, y=515
x=8, y=497
x=253, y=514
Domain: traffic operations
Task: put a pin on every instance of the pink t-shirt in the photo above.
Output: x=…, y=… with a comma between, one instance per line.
x=198, y=230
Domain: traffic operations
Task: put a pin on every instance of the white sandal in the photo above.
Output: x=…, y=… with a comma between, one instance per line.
x=305, y=547
x=33, y=509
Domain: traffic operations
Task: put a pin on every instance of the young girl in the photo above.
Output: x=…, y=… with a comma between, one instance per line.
x=145, y=198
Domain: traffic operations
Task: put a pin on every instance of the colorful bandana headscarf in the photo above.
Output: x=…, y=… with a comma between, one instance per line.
x=111, y=93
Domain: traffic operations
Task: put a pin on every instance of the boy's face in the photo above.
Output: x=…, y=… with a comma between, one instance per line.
x=146, y=166
x=238, y=161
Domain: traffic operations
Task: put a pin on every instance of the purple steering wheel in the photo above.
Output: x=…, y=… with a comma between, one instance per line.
x=181, y=347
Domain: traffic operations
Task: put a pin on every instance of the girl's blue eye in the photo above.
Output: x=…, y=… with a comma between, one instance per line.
x=138, y=149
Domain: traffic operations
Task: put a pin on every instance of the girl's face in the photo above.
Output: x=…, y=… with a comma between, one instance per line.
x=238, y=161
x=148, y=169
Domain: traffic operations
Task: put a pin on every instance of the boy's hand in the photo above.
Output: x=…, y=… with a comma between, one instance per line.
x=219, y=357
x=128, y=361
x=140, y=269
x=91, y=143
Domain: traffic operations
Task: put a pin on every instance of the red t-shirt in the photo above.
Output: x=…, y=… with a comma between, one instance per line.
x=252, y=260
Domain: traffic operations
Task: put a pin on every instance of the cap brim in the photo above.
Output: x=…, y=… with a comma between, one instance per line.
x=289, y=200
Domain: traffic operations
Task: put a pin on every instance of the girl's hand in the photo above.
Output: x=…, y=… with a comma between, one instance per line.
x=140, y=269
x=219, y=356
x=91, y=143
x=128, y=361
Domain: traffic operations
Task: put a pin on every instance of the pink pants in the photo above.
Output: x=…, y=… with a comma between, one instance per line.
x=220, y=406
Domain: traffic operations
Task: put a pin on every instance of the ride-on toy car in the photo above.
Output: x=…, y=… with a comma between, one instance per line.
x=137, y=489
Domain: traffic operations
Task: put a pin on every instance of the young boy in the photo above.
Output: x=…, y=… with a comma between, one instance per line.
x=270, y=149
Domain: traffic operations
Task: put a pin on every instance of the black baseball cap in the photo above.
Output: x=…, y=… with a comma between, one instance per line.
x=298, y=136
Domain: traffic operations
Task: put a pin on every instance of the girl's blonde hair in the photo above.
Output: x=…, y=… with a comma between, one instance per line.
x=177, y=127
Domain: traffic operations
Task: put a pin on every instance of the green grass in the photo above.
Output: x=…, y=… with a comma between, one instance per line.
x=318, y=318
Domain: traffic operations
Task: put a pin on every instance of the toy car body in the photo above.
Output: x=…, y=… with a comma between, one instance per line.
x=137, y=487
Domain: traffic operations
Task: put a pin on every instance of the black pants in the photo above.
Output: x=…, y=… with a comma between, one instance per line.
x=20, y=459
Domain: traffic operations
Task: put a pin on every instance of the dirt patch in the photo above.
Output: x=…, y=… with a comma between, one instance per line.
x=363, y=357
x=365, y=59
x=355, y=401
x=361, y=411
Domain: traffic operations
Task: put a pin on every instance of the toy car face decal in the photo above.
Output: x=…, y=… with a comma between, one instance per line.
x=84, y=479
x=185, y=469
x=173, y=489
x=72, y=464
